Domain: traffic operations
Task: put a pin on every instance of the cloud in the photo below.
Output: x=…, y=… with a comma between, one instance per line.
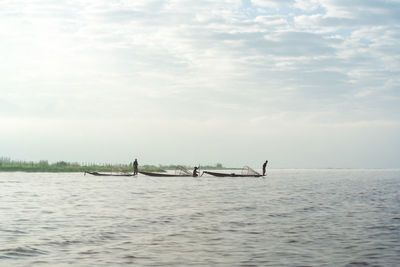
x=351, y=14
x=189, y=63
x=272, y=3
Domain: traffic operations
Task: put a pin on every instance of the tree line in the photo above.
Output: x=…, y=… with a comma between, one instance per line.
x=7, y=164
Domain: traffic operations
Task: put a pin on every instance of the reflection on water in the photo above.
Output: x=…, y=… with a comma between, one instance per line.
x=292, y=217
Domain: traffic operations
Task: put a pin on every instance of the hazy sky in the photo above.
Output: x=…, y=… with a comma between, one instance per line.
x=302, y=83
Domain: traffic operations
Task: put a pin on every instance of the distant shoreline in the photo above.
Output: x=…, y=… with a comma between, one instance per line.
x=8, y=165
x=157, y=169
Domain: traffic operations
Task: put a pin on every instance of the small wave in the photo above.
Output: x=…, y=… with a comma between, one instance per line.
x=88, y=252
x=64, y=242
x=22, y=252
x=358, y=263
x=129, y=257
x=197, y=215
x=47, y=212
x=242, y=224
x=282, y=215
x=255, y=232
x=108, y=236
x=137, y=193
x=12, y=231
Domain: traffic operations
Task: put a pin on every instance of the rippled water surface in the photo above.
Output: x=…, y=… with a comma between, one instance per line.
x=292, y=217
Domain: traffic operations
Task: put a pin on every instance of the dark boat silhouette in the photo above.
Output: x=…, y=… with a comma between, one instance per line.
x=180, y=171
x=246, y=172
x=109, y=174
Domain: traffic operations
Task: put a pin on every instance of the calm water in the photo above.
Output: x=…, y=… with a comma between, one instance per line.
x=290, y=218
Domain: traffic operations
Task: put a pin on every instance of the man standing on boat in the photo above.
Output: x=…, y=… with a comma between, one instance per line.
x=264, y=167
x=135, y=167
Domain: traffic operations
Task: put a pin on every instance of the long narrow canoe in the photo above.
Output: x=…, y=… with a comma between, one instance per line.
x=109, y=174
x=157, y=174
x=221, y=174
x=246, y=172
x=180, y=171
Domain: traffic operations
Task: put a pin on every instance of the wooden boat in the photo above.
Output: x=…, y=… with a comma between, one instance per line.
x=109, y=174
x=158, y=174
x=246, y=172
x=221, y=174
x=180, y=171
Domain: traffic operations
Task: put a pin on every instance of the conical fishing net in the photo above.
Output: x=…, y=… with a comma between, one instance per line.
x=180, y=170
x=249, y=171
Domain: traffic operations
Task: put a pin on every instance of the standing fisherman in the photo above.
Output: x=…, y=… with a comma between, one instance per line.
x=135, y=167
x=264, y=167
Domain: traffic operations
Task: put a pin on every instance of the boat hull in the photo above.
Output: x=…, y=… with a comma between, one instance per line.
x=109, y=174
x=221, y=174
x=156, y=174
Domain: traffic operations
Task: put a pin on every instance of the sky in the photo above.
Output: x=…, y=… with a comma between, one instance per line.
x=301, y=83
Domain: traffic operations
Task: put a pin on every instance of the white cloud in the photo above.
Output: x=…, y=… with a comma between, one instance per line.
x=271, y=21
x=307, y=5
x=272, y=3
x=189, y=63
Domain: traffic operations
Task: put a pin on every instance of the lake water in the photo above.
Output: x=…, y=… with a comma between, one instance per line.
x=290, y=218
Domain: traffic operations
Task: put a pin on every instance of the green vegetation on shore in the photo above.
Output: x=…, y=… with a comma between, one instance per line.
x=8, y=165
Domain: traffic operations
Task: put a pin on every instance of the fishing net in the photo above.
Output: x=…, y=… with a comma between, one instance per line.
x=249, y=171
x=180, y=170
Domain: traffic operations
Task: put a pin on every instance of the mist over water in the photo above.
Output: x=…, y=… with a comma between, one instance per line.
x=292, y=217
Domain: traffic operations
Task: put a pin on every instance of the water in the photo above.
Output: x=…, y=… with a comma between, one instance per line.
x=290, y=218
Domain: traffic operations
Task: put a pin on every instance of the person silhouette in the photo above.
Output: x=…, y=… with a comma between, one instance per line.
x=264, y=167
x=195, y=172
x=135, y=167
